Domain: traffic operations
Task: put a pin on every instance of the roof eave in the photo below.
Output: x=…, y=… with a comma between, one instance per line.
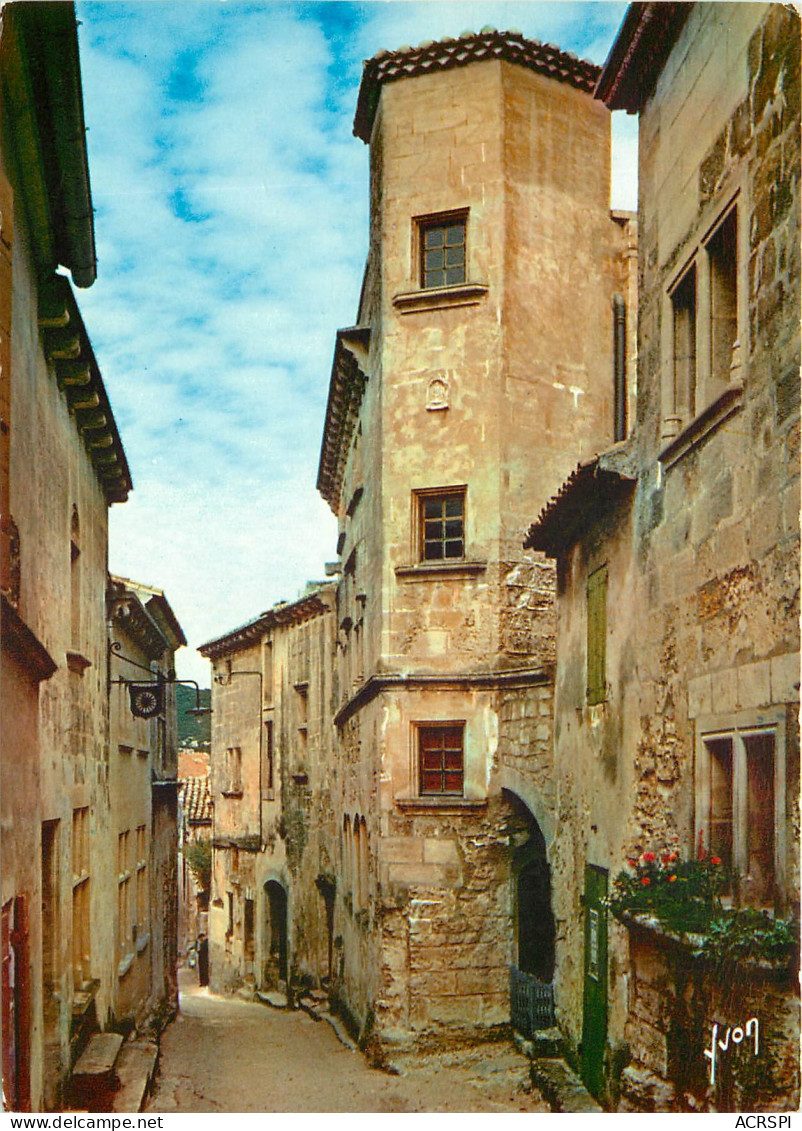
x=68, y=348
x=445, y=54
x=346, y=387
x=41, y=68
x=581, y=500
x=645, y=38
x=246, y=635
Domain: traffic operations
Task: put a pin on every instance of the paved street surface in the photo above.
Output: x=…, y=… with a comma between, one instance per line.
x=228, y=1055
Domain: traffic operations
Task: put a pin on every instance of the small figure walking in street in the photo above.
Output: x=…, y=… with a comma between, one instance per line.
x=203, y=960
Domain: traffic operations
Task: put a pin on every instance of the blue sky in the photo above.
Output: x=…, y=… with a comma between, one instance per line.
x=231, y=226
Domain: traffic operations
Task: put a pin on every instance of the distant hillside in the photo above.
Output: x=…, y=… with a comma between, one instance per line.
x=193, y=728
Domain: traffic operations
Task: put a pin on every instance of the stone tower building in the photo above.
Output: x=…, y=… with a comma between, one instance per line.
x=480, y=370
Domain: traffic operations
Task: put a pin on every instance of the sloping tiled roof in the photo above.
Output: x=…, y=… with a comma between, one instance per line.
x=196, y=801
x=581, y=498
x=43, y=103
x=68, y=348
x=346, y=388
x=306, y=607
x=470, y=47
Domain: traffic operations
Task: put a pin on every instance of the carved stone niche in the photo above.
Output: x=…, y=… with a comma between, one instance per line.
x=437, y=394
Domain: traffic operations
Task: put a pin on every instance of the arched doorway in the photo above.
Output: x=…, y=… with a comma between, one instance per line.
x=532, y=973
x=328, y=889
x=534, y=917
x=275, y=936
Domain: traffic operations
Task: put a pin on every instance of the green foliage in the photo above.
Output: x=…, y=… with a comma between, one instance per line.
x=198, y=855
x=682, y=894
x=193, y=729
x=685, y=897
x=749, y=934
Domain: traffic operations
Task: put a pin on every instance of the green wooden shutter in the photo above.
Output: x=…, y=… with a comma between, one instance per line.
x=597, y=635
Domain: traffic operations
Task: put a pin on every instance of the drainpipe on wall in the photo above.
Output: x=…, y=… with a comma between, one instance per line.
x=619, y=366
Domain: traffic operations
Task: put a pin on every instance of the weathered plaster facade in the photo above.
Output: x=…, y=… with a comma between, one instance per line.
x=695, y=523
x=143, y=789
x=446, y=392
x=195, y=826
x=273, y=873
x=61, y=466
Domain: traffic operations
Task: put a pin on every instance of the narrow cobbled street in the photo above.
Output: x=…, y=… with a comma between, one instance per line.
x=228, y=1055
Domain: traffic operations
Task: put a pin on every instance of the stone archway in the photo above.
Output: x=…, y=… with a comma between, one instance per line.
x=534, y=930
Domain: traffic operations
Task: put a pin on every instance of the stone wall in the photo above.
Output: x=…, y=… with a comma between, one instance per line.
x=462, y=389
x=278, y=827
x=702, y=550
x=51, y=480
x=675, y=1000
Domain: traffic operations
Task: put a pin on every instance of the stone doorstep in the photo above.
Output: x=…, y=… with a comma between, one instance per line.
x=93, y=1078
x=561, y=1087
x=98, y=1058
x=273, y=998
x=340, y=1031
x=136, y=1067
x=315, y=1009
x=546, y=1043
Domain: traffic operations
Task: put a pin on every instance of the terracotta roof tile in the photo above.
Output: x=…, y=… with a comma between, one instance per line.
x=470, y=47
x=196, y=801
x=588, y=489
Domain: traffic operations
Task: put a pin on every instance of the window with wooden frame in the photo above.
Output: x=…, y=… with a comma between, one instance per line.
x=441, y=759
x=441, y=524
x=739, y=808
x=704, y=322
x=443, y=250
x=270, y=759
x=142, y=916
x=597, y=635
x=81, y=915
x=683, y=303
x=233, y=787
x=124, y=919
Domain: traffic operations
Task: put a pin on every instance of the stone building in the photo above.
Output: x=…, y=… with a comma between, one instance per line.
x=143, y=789
x=677, y=686
x=463, y=395
x=62, y=465
x=273, y=836
x=195, y=827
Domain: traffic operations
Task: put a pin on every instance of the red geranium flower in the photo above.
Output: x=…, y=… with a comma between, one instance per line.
x=645, y=880
x=649, y=857
x=632, y=863
x=715, y=859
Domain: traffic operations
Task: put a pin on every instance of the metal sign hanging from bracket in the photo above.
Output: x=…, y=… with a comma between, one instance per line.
x=146, y=698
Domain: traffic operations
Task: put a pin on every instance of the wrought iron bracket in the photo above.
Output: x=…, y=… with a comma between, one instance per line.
x=140, y=690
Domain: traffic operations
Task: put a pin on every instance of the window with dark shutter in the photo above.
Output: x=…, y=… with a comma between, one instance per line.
x=597, y=635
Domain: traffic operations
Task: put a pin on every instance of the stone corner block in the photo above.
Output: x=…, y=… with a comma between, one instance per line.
x=785, y=678
x=439, y=851
x=700, y=696
x=754, y=685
